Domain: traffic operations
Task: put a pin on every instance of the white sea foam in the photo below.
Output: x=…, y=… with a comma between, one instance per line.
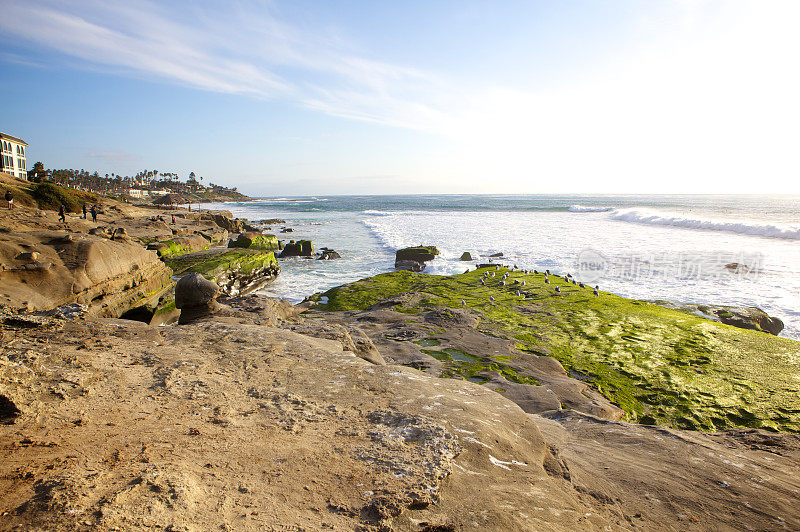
x=742, y=227
x=584, y=208
x=372, y=212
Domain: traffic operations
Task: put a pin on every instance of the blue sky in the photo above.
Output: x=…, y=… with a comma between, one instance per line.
x=412, y=97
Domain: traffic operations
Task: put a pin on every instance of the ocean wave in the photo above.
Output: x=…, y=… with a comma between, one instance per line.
x=584, y=208
x=397, y=213
x=742, y=227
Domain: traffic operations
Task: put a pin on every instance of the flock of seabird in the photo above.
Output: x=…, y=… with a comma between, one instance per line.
x=517, y=283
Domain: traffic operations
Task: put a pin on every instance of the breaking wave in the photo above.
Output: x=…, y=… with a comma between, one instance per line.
x=584, y=208
x=653, y=217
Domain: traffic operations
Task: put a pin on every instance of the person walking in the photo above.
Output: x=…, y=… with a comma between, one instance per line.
x=10, y=199
x=62, y=213
x=84, y=211
x=94, y=213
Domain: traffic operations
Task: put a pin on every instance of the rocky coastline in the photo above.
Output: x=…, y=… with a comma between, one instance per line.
x=490, y=400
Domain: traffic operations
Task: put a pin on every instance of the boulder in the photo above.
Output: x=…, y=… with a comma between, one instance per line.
x=287, y=230
x=255, y=240
x=301, y=248
x=750, y=318
x=196, y=297
x=466, y=256
x=495, y=255
x=329, y=254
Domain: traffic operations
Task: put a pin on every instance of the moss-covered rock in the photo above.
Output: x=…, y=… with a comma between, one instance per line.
x=660, y=365
x=417, y=254
x=237, y=271
x=255, y=240
x=178, y=246
x=301, y=248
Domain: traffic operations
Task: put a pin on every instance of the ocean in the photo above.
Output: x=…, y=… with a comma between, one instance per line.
x=722, y=250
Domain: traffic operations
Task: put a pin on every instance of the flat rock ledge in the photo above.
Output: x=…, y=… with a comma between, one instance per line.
x=225, y=425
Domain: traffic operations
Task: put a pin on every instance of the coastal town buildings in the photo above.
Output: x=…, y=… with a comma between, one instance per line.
x=13, y=155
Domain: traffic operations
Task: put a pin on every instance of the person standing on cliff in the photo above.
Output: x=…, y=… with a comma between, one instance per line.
x=84, y=211
x=62, y=213
x=10, y=200
x=94, y=213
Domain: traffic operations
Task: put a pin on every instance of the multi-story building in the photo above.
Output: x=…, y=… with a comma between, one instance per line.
x=13, y=156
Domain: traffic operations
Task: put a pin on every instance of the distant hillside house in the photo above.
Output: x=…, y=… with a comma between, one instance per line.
x=13, y=156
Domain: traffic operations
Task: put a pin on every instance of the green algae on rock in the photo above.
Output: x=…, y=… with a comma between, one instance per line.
x=417, y=253
x=237, y=271
x=661, y=366
x=254, y=240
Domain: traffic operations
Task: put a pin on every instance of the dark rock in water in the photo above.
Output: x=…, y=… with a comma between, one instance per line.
x=735, y=267
x=301, y=248
x=419, y=253
x=8, y=410
x=490, y=265
x=414, y=259
x=466, y=256
x=494, y=255
x=329, y=254
x=287, y=230
x=195, y=296
x=409, y=265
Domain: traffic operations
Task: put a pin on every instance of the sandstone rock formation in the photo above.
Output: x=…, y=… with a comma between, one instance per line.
x=221, y=425
x=108, y=275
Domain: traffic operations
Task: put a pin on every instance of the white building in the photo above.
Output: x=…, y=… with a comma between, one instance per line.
x=13, y=156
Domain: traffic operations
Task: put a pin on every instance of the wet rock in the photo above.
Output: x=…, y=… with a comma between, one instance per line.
x=418, y=253
x=329, y=254
x=301, y=248
x=495, y=255
x=466, y=256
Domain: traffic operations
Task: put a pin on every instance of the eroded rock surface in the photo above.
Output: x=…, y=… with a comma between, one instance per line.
x=228, y=425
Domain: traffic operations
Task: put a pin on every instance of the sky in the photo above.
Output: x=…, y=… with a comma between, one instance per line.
x=361, y=97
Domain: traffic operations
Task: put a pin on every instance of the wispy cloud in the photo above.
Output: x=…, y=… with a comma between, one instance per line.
x=114, y=157
x=243, y=49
